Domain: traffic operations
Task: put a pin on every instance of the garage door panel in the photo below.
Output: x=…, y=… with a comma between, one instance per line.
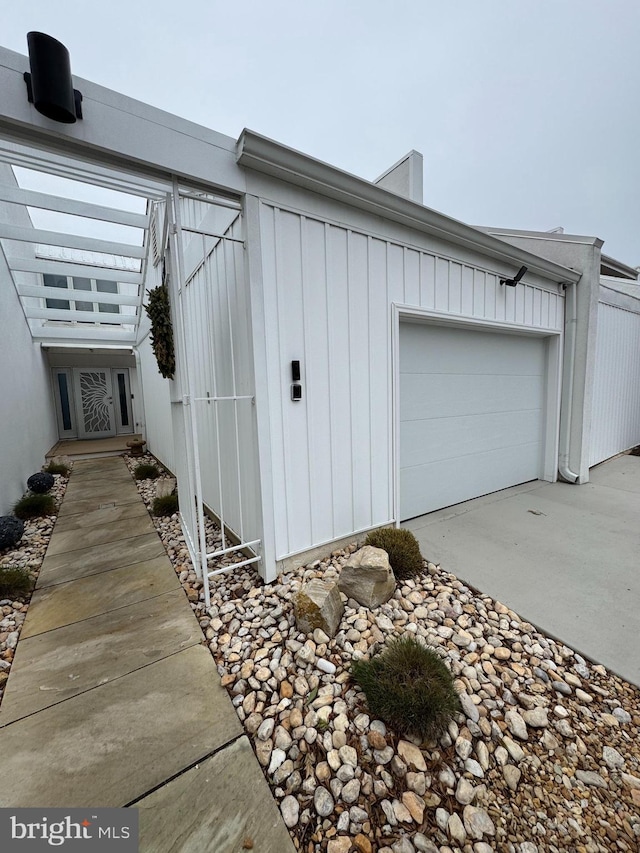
x=436, y=439
x=423, y=395
x=472, y=414
x=426, y=488
x=513, y=354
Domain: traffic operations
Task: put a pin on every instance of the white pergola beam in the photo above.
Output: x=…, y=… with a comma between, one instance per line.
x=50, y=265
x=38, y=291
x=79, y=334
x=69, y=241
x=44, y=201
x=69, y=315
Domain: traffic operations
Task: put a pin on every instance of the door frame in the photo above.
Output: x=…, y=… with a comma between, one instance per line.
x=553, y=382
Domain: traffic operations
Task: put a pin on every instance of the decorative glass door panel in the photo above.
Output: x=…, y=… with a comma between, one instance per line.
x=94, y=399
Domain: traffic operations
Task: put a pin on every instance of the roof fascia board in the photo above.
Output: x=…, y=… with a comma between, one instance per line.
x=265, y=155
x=625, y=271
x=544, y=235
x=119, y=130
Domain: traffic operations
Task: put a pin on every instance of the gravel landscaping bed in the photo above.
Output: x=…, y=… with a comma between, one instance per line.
x=545, y=756
x=28, y=555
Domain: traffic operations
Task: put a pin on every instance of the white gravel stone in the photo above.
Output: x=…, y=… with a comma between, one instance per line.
x=290, y=810
x=323, y=802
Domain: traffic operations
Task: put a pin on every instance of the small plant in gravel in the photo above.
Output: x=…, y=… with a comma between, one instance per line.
x=14, y=582
x=35, y=506
x=57, y=468
x=409, y=687
x=145, y=471
x=403, y=550
x=166, y=505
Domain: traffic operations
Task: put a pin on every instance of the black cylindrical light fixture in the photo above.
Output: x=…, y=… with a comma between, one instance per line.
x=51, y=83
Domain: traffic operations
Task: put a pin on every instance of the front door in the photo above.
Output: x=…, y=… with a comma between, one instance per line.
x=94, y=400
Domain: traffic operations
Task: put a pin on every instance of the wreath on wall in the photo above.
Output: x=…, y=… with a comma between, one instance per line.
x=158, y=311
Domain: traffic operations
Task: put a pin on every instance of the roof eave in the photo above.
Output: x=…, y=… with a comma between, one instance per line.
x=265, y=155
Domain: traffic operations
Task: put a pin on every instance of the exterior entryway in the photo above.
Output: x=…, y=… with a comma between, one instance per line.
x=472, y=413
x=93, y=402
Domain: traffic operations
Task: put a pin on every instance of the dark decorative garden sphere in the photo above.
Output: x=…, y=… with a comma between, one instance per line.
x=40, y=483
x=11, y=530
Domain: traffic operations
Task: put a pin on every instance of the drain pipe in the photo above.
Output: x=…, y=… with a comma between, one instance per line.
x=569, y=369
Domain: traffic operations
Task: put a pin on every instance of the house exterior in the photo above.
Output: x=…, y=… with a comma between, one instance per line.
x=347, y=357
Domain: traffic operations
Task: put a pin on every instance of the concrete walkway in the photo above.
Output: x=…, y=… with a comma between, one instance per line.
x=113, y=700
x=564, y=557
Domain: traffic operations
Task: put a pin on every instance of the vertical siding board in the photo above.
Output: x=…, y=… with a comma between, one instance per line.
x=360, y=373
x=380, y=390
x=315, y=373
x=427, y=281
x=270, y=254
x=411, y=277
x=442, y=285
x=478, y=293
x=338, y=307
x=296, y=449
x=455, y=288
x=468, y=291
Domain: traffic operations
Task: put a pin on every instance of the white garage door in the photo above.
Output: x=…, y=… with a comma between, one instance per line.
x=471, y=414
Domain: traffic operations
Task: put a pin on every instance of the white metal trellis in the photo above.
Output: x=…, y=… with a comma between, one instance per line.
x=197, y=279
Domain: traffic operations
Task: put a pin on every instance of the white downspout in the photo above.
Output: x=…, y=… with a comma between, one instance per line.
x=567, y=387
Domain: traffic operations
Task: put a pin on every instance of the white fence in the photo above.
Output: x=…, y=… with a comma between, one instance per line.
x=615, y=419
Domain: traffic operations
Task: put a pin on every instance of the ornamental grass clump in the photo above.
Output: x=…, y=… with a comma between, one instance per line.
x=14, y=582
x=403, y=550
x=146, y=471
x=35, y=506
x=57, y=468
x=166, y=505
x=409, y=687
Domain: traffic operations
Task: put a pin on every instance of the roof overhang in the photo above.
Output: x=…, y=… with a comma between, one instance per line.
x=610, y=266
x=262, y=154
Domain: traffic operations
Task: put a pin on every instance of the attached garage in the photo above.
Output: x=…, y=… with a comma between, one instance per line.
x=472, y=413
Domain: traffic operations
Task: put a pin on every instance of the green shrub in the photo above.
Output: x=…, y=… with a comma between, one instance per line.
x=402, y=547
x=14, y=582
x=34, y=506
x=146, y=471
x=166, y=505
x=57, y=468
x=409, y=687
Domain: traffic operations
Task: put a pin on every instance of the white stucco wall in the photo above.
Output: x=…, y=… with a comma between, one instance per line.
x=27, y=419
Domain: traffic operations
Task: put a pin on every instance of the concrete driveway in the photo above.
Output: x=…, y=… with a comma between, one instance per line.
x=564, y=557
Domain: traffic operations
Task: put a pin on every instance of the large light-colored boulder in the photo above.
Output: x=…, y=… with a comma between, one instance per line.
x=165, y=487
x=318, y=605
x=367, y=577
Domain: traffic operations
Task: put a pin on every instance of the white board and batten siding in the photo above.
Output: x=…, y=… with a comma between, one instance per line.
x=329, y=292
x=615, y=414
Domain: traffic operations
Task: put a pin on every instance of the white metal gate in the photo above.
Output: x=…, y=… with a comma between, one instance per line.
x=212, y=396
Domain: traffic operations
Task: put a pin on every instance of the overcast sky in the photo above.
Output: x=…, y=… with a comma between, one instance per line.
x=526, y=113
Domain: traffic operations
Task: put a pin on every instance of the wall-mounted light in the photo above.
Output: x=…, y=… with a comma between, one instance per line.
x=511, y=282
x=49, y=85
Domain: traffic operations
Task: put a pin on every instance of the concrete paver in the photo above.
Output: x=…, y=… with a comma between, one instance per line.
x=58, y=664
x=115, y=743
x=65, y=603
x=86, y=537
x=112, y=699
x=99, y=558
x=564, y=557
x=86, y=520
x=245, y=814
